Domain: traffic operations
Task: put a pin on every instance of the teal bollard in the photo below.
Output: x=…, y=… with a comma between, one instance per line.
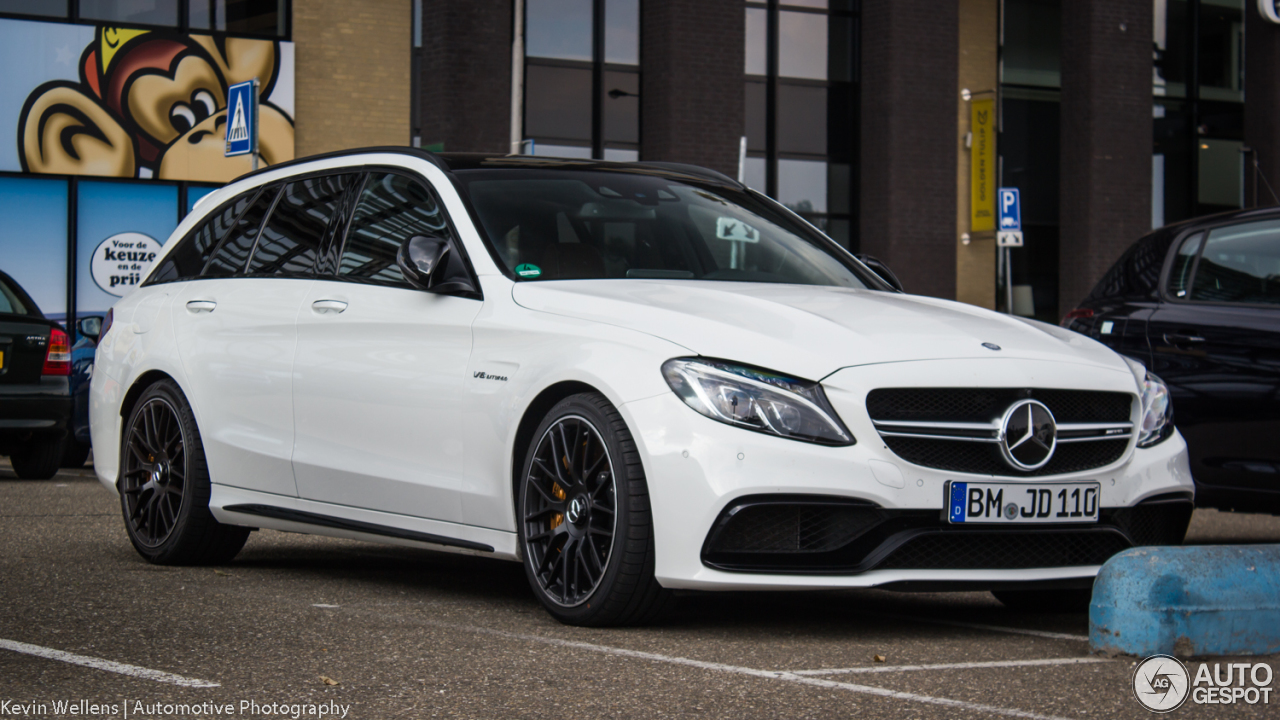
x=1188, y=601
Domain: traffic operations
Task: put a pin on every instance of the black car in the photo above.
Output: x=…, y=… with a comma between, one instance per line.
x=35, y=384
x=1199, y=303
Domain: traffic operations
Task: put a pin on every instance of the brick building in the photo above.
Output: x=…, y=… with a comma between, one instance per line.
x=1110, y=116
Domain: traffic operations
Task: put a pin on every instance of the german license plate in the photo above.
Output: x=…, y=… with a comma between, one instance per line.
x=975, y=502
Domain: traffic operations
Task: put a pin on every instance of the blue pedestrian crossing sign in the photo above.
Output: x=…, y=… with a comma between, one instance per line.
x=1010, y=209
x=242, y=119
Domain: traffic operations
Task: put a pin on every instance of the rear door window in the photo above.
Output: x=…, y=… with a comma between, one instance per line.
x=1239, y=264
x=392, y=209
x=237, y=243
x=193, y=252
x=299, y=226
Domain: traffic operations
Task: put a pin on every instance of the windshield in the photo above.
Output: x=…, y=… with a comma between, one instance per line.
x=14, y=302
x=591, y=224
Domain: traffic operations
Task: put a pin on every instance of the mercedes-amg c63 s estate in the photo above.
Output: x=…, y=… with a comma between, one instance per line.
x=631, y=377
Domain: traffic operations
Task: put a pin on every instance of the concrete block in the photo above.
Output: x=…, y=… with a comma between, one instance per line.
x=1188, y=601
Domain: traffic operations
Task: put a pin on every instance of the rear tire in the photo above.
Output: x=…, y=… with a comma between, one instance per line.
x=74, y=453
x=37, y=460
x=586, y=530
x=164, y=485
x=1069, y=600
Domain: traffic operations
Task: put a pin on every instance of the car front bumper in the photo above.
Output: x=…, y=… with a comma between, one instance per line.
x=697, y=467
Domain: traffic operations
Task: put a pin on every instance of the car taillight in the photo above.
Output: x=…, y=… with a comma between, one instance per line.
x=57, y=361
x=1077, y=314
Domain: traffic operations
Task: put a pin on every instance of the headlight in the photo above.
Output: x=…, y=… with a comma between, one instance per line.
x=757, y=400
x=1157, y=412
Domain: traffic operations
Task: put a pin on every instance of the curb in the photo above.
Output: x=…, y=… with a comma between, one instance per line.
x=1188, y=601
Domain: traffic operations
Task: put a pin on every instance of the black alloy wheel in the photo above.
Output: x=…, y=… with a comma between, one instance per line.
x=586, y=533
x=155, y=470
x=164, y=485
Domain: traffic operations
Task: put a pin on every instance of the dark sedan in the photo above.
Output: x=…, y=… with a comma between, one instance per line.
x=1199, y=303
x=35, y=384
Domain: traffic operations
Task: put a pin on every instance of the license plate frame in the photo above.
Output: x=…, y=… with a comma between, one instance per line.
x=1068, y=502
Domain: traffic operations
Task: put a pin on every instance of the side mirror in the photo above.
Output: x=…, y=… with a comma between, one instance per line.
x=432, y=263
x=879, y=268
x=90, y=327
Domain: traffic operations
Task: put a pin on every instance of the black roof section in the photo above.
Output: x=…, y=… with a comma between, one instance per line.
x=476, y=161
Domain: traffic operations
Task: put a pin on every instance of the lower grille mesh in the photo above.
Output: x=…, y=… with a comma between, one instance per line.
x=792, y=528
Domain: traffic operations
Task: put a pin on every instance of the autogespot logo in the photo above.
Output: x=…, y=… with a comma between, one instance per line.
x=1161, y=683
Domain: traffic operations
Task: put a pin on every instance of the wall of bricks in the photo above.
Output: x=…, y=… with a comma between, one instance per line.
x=352, y=74
x=1106, y=139
x=466, y=75
x=691, y=91
x=910, y=51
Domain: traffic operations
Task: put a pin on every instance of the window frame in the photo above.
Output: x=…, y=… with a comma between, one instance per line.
x=72, y=17
x=1166, y=274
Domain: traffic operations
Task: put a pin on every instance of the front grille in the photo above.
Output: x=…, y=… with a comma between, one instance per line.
x=922, y=426
x=987, y=404
x=813, y=534
x=1005, y=550
x=985, y=459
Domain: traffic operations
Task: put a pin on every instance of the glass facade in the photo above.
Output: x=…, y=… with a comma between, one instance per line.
x=582, y=78
x=251, y=18
x=801, y=100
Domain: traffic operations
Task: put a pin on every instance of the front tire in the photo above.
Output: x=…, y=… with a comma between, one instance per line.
x=164, y=485
x=586, y=532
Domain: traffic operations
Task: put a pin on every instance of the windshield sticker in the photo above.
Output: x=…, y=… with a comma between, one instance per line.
x=728, y=228
x=528, y=270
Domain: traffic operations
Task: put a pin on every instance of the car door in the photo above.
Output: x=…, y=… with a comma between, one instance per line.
x=1216, y=342
x=381, y=366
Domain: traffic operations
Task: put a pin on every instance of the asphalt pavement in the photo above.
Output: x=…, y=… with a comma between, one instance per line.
x=299, y=624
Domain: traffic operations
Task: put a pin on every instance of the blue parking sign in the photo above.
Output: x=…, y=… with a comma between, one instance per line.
x=1010, y=209
x=242, y=119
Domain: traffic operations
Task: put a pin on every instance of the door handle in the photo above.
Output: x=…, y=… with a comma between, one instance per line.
x=327, y=307
x=199, y=306
x=1180, y=339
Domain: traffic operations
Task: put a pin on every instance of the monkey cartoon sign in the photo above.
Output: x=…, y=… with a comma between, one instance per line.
x=149, y=103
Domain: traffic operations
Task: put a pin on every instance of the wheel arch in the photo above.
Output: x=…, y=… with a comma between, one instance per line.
x=139, y=386
x=533, y=415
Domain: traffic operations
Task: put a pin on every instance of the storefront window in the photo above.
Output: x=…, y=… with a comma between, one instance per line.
x=801, y=123
x=131, y=12
x=118, y=226
x=1032, y=40
x=580, y=95
x=33, y=239
x=243, y=17
x=195, y=193
x=50, y=8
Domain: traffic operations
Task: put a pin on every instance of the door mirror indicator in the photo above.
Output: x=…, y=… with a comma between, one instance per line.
x=433, y=263
x=882, y=270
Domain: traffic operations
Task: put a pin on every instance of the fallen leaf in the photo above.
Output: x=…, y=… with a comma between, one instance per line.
x=880, y=658
x=328, y=680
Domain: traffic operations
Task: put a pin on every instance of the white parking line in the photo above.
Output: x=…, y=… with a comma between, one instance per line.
x=108, y=665
x=992, y=628
x=953, y=666
x=768, y=674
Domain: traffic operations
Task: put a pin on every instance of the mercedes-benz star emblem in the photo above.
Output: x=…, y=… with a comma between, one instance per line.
x=1028, y=435
x=576, y=509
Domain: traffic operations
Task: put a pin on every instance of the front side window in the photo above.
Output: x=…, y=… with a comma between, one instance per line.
x=392, y=209
x=579, y=224
x=1240, y=264
x=299, y=226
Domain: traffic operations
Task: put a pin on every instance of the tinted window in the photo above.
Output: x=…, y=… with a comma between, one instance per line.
x=1183, y=263
x=571, y=224
x=238, y=240
x=192, y=253
x=11, y=301
x=1240, y=264
x=392, y=209
x=299, y=225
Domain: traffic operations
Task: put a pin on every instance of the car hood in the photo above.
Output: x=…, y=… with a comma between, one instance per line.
x=809, y=331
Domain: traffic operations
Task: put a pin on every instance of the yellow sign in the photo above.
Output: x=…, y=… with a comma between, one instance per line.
x=982, y=166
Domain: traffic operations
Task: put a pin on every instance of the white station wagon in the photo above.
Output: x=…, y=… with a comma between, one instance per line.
x=631, y=377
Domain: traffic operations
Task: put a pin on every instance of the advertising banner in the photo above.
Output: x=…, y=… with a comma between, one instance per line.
x=982, y=165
